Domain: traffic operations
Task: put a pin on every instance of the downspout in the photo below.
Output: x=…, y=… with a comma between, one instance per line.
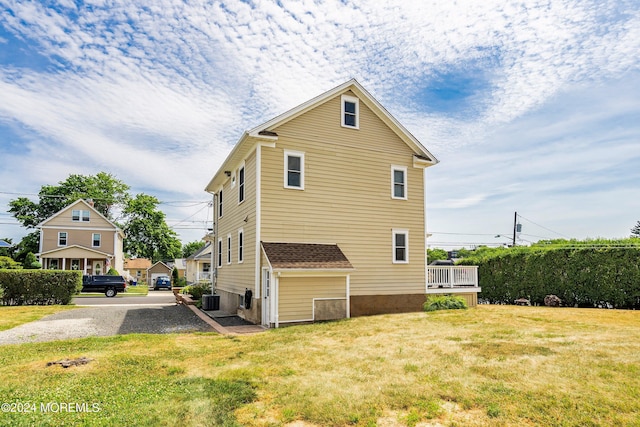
x=258, y=215
x=214, y=245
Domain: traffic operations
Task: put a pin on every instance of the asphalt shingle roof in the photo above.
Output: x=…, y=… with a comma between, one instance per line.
x=305, y=256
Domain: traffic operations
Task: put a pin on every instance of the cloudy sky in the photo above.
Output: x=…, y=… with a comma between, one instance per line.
x=531, y=106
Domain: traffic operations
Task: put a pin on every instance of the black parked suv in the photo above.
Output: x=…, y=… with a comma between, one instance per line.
x=110, y=285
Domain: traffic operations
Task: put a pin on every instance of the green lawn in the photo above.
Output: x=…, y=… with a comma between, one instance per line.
x=10, y=317
x=493, y=365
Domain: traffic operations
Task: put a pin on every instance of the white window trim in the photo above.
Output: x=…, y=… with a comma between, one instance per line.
x=93, y=240
x=81, y=215
x=300, y=154
x=66, y=238
x=229, y=257
x=242, y=185
x=395, y=232
x=356, y=101
x=402, y=169
x=219, y=261
x=241, y=246
x=220, y=203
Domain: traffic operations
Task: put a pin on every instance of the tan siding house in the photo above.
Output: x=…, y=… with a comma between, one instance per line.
x=79, y=237
x=137, y=269
x=336, y=176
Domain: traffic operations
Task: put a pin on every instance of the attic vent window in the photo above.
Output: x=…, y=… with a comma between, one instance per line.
x=80, y=215
x=350, y=112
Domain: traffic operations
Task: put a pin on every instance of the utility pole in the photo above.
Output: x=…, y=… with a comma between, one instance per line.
x=515, y=225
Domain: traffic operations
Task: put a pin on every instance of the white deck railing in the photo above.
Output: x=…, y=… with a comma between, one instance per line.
x=203, y=275
x=461, y=276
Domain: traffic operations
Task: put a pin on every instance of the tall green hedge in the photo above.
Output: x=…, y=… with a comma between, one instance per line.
x=38, y=287
x=584, y=277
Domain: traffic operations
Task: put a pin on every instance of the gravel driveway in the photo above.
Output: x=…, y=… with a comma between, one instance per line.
x=107, y=320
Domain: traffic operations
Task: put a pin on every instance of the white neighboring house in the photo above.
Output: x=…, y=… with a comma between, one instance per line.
x=199, y=265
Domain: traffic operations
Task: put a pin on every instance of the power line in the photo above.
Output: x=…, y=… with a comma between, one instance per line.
x=542, y=226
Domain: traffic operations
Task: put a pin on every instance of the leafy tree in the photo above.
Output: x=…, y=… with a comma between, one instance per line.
x=436, y=254
x=191, y=248
x=635, y=231
x=175, y=276
x=29, y=244
x=104, y=189
x=148, y=235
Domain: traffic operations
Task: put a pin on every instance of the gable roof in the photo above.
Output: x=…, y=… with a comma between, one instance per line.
x=265, y=130
x=162, y=263
x=202, y=253
x=88, y=206
x=305, y=256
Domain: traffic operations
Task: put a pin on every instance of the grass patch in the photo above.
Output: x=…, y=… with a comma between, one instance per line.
x=13, y=316
x=137, y=290
x=462, y=367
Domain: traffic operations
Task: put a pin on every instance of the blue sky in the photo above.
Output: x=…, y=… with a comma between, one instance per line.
x=530, y=106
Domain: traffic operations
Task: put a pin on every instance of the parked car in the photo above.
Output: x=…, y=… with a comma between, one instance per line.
x=110, y=285
x=162, y=282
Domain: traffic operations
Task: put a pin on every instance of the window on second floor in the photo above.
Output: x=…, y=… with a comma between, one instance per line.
x=294, y=170
x=96, y=240
x=241, y=185
x=80, y=215
x=220, y=204
x=398, y=182
x=62, y=238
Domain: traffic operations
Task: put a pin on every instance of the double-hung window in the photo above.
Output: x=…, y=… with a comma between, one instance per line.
x=79, y=215
x=240, y=245
x=62, y=238
x=294, y=170
x=398, y=182
x=219, y=252
x=220, y=203
x=96, y=240
x=229, y=249
x=400, y=246
x=350, y=112
x=241, y=185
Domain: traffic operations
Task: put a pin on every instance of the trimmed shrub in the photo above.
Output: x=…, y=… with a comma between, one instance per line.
x=30, y=262
x=583, y=277
x=444, y=302
x=112, y=272
x=197, y=290
x=39, y=287
x=8, y=263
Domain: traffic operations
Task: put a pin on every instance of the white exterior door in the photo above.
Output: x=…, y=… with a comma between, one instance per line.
x=98, y=268
x=266, y=297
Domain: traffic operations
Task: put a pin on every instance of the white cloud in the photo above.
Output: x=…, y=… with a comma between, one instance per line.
x=170, y=85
